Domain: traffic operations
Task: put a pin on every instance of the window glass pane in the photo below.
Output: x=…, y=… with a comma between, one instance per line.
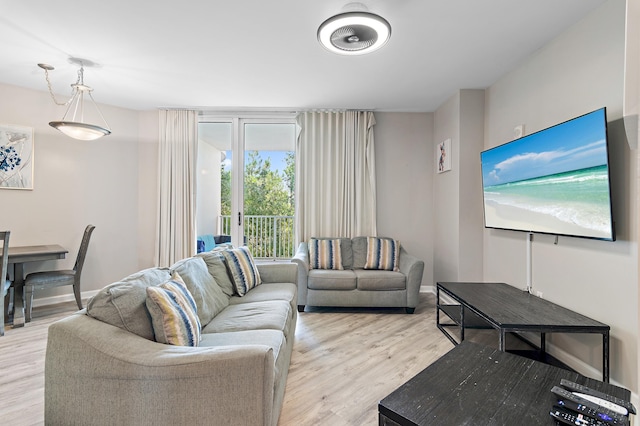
x=269, y=165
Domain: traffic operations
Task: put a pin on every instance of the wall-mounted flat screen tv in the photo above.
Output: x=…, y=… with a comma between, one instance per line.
x=555, y=181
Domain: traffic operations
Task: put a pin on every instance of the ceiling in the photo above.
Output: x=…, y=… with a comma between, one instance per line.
x=256, y=54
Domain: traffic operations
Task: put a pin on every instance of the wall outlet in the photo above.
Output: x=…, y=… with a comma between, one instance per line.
x=539, y=294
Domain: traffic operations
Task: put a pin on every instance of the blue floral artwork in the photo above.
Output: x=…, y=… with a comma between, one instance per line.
x=16, y=157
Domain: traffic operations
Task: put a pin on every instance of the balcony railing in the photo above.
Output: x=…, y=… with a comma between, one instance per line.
x=268, y=237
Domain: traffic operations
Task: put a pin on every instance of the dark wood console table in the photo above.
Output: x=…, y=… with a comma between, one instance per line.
x=508, y=309
x=477, y=385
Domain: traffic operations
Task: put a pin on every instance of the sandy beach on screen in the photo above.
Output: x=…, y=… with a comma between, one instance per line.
x=514, y=217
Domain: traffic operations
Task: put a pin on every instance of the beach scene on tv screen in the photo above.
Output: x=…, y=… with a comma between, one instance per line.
x=555, y=181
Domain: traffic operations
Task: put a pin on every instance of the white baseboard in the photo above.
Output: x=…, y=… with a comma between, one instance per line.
x=427, y=289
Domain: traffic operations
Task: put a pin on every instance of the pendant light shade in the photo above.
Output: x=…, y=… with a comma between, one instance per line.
x=81, y=131
x=73, y=121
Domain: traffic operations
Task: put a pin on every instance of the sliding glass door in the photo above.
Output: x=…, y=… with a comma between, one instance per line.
x=249, y=193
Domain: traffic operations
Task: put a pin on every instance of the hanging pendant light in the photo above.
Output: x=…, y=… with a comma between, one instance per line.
x=75, y=126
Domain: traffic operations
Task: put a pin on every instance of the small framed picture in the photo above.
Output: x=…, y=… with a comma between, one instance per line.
x=443, y=156
x=16, y=157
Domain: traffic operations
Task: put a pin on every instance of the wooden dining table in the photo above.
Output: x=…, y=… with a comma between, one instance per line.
x=18, y=256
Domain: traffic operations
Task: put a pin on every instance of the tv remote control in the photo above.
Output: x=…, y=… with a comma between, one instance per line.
x=564, y=415
x=586, y=407
x=604, y=403
x=574, y=387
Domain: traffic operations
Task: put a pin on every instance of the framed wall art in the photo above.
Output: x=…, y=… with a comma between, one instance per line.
x=16, y=157
x=443, y=156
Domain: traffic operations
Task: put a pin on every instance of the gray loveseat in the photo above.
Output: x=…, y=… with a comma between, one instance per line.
x=355, y=286
x=111, y=371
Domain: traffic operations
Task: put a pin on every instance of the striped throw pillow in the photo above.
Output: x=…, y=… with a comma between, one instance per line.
x=382, y=253
x=243, y=269
x=325, y=254
x=173, y=313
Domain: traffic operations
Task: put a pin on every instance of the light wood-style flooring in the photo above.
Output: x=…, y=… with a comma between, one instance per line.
x=344, y=362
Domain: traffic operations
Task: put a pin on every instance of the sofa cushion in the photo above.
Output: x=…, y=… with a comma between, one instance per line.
x=271, y=338
x=218, y=269
x=267, y=315
x=325, y=279
x=325, y=254
x=123, y=303
x=347, y=253
x=173, y=313
x=207, y=294
x=380, y=280
x=243, y=269
x=270, y=291
x=382, y=253
x=359, y=247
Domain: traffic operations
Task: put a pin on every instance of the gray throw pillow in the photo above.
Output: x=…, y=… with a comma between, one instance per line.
x=209, y=297
x=218, y=269
x=123, y=303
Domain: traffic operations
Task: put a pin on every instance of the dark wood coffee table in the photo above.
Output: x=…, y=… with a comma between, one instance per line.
x=511, y=310
x=478, y=385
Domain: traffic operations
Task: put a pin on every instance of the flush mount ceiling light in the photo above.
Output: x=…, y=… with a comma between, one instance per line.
x=354, y=33
x=75, y=126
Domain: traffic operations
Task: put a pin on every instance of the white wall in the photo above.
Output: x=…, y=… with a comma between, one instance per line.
x=148, y=146
x=78, y=183
x=631, y=107
x=470, y=220
x=457, y=197
x=208, y=189
x=446, y=193
x=404, y=177
x=578, y=72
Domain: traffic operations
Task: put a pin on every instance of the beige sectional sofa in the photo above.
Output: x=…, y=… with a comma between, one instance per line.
x=355, y=286
x=104, y=367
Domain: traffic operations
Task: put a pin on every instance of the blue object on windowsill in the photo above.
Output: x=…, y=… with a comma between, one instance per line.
x=206, y=243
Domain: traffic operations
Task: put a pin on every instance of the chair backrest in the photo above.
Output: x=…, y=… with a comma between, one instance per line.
x=82, y=252
x=4, y=264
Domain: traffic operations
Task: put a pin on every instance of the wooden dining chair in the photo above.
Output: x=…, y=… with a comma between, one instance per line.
x=4, y=271
x=48, y=279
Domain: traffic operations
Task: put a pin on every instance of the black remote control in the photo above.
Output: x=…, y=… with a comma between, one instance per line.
x=586, y=407
x=574, y=387
x=564, y=415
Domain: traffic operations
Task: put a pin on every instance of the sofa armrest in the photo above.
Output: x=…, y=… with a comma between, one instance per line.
x=301, y=259
x=272, y=272
x=412, y=268
x=97, y=374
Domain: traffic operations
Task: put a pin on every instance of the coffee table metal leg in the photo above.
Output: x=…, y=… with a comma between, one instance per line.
x=605, y=357
x=501, y=340
x=438, y=307
x=461, y=323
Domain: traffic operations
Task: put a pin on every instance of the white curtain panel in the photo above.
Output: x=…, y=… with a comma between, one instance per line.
x=176, y=180
x=335, y=175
